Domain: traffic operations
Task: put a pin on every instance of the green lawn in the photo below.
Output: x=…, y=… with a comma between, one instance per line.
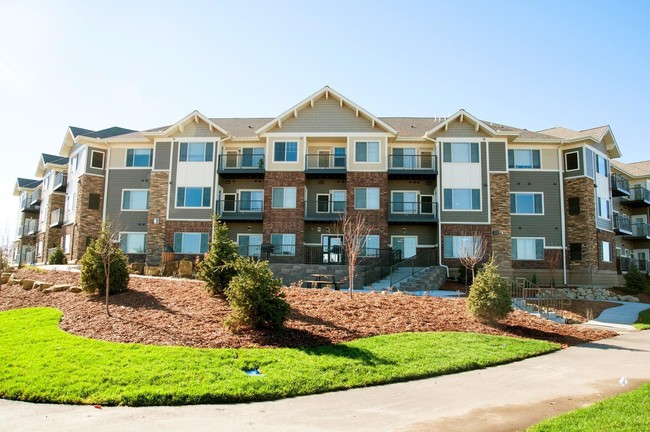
x=41, y=363
x=643, y=323
x=625, y=412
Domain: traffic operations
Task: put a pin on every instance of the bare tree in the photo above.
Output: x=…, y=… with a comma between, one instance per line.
x=553, y=261
x=473, y=250
x=355, y=230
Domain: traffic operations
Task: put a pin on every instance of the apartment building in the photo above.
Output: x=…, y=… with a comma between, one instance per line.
x=425, y=186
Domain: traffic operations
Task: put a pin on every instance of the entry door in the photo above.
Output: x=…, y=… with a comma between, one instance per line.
x=231, y=159
x=405, y=244
x=405, y=202
x=404, y=158
x=642, y=259
x=332, y=249
x=639, y=227
x=323, y=159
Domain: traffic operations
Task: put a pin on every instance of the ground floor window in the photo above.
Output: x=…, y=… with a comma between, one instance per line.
x=190, y=243
x=606, y=249
x=461, y=246
x=283, y=244
x=370, y=246
x=133, y=243
x=67, y=243
x=249, y=245
x=527, y=249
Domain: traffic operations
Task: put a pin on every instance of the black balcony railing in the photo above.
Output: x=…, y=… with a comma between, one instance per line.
x=620, y=185
x=325, y=162
x=415, y=211
x=36, y=197
x=639, y=197
x=26, y=204
x=56, y=218
x=60, y=182
x=623, y=265
x=240, y=209
x=622, y=224
x=32, y=227
x=413, y=163
x=324, y=210
x=641, y=230
x=241, y=163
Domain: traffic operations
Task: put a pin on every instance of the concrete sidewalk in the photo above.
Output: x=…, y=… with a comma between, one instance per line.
x=506, y=397
x=619, y=318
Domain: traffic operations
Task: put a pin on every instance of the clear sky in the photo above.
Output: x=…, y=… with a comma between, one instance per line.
x=143, y=64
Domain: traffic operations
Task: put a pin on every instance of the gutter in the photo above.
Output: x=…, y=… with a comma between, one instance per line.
x=562, y=217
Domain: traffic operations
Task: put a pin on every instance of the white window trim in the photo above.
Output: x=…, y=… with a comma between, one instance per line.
x=543, y=239
x=367, y=142
x=126, y=158
x=609, y=214
x=285, y=187
x=417, y=201
x=577, y=153
x=285, y=151
x=329, y=203
x=275, y=253
x=92, y=157
x=480, y=209
x=362, y=252
x=541, y=161
x=354, y=203
x=134, y=190
x=250, y=235
x=453, y=141
x=183, y=234
x=192, y=207
x=530, y=214
x=609, y=251
x=194, y=140
x=135, y=232
x=239, y=199
x=443, y=242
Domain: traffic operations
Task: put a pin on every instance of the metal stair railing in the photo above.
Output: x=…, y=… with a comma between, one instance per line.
x=526, y=296
x=378, y=269
x=417, y=263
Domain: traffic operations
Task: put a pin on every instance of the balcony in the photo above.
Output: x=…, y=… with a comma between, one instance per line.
x=639, y=197
x=324, y=210
x=26, y=204
x=415, y=212
x=60, y=182
x=36, y=197
x=412, y=165
x=620, y=186
x=640, y=231
x=623, y=265
x=325, y=163
x=250, y=165
x=32, y=227
x=56, y=218
x=622, y=224
x=240, y=210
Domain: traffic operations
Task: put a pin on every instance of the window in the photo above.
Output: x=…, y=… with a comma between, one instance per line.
x=575, y=251
x=339, y=157
x=366, y=151
x=462, y=199
x=139, y=157
x=338, y=201
x=524, y=159
x=527, y=249
x=285, y=151
x=249, y=245
x=193, y=197
x=251, y=201
x=74, y=161
x=526, y=203
x=602, y=167
x=284, y=244
x=571, y=161
x=370, y=246
x=196, y=152
x=460, y=246
x=460, y=152
x=603, y=208
x=606, y=251
x=67, y=243
x=284, y=197
x=574, y=206
x=97, y=159
x=133, y=243
x=135, y=200
x=253, y=158
x=366, y=198
x=404, y=202
x=190, y=243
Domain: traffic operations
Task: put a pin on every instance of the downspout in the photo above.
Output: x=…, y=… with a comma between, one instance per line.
x=562, y=217
x=439, y=164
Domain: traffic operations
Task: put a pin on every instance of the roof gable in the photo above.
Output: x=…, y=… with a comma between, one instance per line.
x=463, y=116
x=177, y=128
x=23, y=183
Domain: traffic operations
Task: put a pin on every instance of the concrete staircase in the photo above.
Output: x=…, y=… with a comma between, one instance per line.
x=423, y=279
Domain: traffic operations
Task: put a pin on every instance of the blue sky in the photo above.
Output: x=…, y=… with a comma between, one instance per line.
x=529, y=64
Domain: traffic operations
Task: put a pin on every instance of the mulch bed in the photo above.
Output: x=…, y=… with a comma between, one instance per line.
x=162, y=311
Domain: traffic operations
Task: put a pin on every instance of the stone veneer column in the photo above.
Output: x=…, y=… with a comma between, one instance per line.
x=158, y=188
x=285, y=221
x=581, y=228
x=376, y=219
x=52, y=234
x=88, y=221
x=501, y=230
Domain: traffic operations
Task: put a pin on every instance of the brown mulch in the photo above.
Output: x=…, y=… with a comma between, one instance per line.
x=180, y=312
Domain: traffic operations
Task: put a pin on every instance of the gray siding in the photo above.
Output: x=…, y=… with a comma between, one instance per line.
x=231, y=186
x=469, y=216
x=118, y=180
x=548, y=225
x=311, y=234
x=235, y=228
x=185, y=213
x=576, y=173
x=600, y=147
x=162, y=154
x=603, y=224
x=327, y=116
x=89, y=156
x=460, y=130
x=425, y=187
x=315, y=187
x=498, y=156
x=589, y=163
x=427, y=234
x=201, y=129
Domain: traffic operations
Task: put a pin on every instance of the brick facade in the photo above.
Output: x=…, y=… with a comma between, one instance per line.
x=88, y=221
x=501, y=229
x=376, y=219
x=172, y=227
x=465, y=230
x=581, y=228
x=156, y=232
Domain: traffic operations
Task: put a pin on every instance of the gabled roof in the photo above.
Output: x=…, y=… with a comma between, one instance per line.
x=193, y=116
x=242, y=127
x=108, y=132
x=76, y=131
x=463, y=115
x=598, y=134
x=23, y=183
x=412, y=127
x=324, y=92
x=49, y=159
x=635, y=169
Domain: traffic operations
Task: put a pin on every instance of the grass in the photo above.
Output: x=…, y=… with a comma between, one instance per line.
x=39, y=362
x=625, y=412
x=643, y=322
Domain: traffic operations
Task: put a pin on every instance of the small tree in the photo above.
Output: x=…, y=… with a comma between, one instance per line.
x=355, y=230
x=103, y=266
x=472, y=252
x=634, y=279
x=57, y=257
x=222, y=250
x=489, y=299
x=255, y=297
x=553, y=261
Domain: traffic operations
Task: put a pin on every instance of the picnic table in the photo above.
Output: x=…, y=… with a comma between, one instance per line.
x=323, y=280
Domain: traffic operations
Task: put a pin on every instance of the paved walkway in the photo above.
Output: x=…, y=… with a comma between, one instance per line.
x=619, y=318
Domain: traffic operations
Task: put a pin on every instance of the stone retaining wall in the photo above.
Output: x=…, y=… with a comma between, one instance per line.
x=600, y=294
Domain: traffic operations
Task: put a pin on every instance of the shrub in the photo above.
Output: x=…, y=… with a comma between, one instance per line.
x=93, y=277
x=489, y=298
x=464, y=276
x=635, y=281
x=213, y=270
x=254, y=296
x=57, y=257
